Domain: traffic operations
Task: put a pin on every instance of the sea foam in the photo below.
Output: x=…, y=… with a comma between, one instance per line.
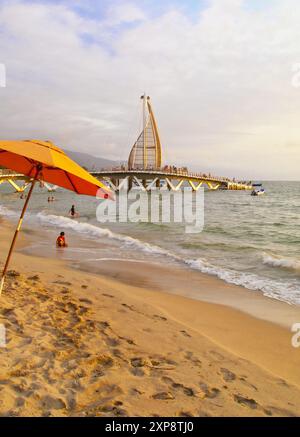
x=289, y=293
x=280, y=262
x=98, y=232
x=276, y=289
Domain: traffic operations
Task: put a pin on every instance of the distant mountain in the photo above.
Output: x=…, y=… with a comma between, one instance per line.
x=90, y=162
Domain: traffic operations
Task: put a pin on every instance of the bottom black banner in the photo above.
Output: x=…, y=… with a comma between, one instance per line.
x=142, y=426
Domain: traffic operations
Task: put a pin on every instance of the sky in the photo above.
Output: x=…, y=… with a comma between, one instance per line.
x=222, y=76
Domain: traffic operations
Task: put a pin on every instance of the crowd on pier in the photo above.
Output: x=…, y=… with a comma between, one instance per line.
x=180, y=171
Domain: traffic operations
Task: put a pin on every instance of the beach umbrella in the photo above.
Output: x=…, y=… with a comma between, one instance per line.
x=43, y=161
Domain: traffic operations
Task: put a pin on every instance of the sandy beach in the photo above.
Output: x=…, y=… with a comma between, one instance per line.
x=86, y=344
x=149, y=214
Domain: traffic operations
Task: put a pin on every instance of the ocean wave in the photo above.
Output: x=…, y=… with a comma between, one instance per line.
x=283, y=291
x=98, y=232
x=279, y=262
x=218, y=245
x=286, y=292
x=276, y=289
x=7, y=212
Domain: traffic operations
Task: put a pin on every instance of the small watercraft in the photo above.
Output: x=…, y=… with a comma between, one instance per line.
x=258, y=190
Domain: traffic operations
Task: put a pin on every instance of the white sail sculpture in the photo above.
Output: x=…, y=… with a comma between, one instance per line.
x=146, y=153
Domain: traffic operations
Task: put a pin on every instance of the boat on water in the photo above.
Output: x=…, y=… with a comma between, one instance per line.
x=258, y=190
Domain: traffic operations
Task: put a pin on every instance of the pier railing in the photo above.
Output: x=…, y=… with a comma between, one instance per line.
x=114, y=176
x=171, y=173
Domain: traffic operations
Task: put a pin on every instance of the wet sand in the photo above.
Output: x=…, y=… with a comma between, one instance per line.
x=124, y=342
x=185, y=282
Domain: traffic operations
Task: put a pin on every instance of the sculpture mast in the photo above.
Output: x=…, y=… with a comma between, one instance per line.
x=144, y=98
x=146, y=151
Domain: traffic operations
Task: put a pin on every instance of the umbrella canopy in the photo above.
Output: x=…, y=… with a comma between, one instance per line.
x=56, y=167
x=43, y=161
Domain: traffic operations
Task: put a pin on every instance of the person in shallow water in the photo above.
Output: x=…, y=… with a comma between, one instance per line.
x=72, y=211
x=61, y=240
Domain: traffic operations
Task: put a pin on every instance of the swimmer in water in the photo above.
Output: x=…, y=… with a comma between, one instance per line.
x=61, y=240
x=72, y=211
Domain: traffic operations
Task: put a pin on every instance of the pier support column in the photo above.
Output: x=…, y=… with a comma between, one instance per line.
x=15, y=186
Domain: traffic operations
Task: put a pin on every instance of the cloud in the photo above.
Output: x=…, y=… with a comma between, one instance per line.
x=220, y=81
x=124, y=13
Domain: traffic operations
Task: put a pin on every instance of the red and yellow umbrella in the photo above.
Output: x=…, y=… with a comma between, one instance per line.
x=43, y=161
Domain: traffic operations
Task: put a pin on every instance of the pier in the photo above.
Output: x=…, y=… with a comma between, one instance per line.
x=149, y=179
x=144, y=169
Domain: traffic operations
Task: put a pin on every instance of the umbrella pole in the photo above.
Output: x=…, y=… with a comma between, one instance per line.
x=16, y=235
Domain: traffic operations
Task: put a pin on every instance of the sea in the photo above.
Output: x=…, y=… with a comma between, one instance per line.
x=249, y=241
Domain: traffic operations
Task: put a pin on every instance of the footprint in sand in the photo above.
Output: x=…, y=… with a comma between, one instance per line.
x=140, y=362
x=84, y=300
x=217, y=354
x=136, y=391
x=191, y=357
x=164, y=396
x=158, y=317
x=71, y=401
x=227, y=374
x=178, y=386
x=244, y=381
x=34, y=278
x=138, y=371
x=82, y=310
x=186, y=334
x=106, y=402
x=19, y=402
x=113, y=410
x=62, y=283
x=113, y=342
x=208, y=392
x=186, y=390
x=163, y=363
x=140, y=366
x=13, y=274
x=11, y=413
x=50, y=403
x=128, y=340
x=129, y=307
x=185, y=414
x=42, y=297
x=272, y=410
x=251, y=403
x=74, y=385
x=8, y=313
x=103, y=325
x=22, y=389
